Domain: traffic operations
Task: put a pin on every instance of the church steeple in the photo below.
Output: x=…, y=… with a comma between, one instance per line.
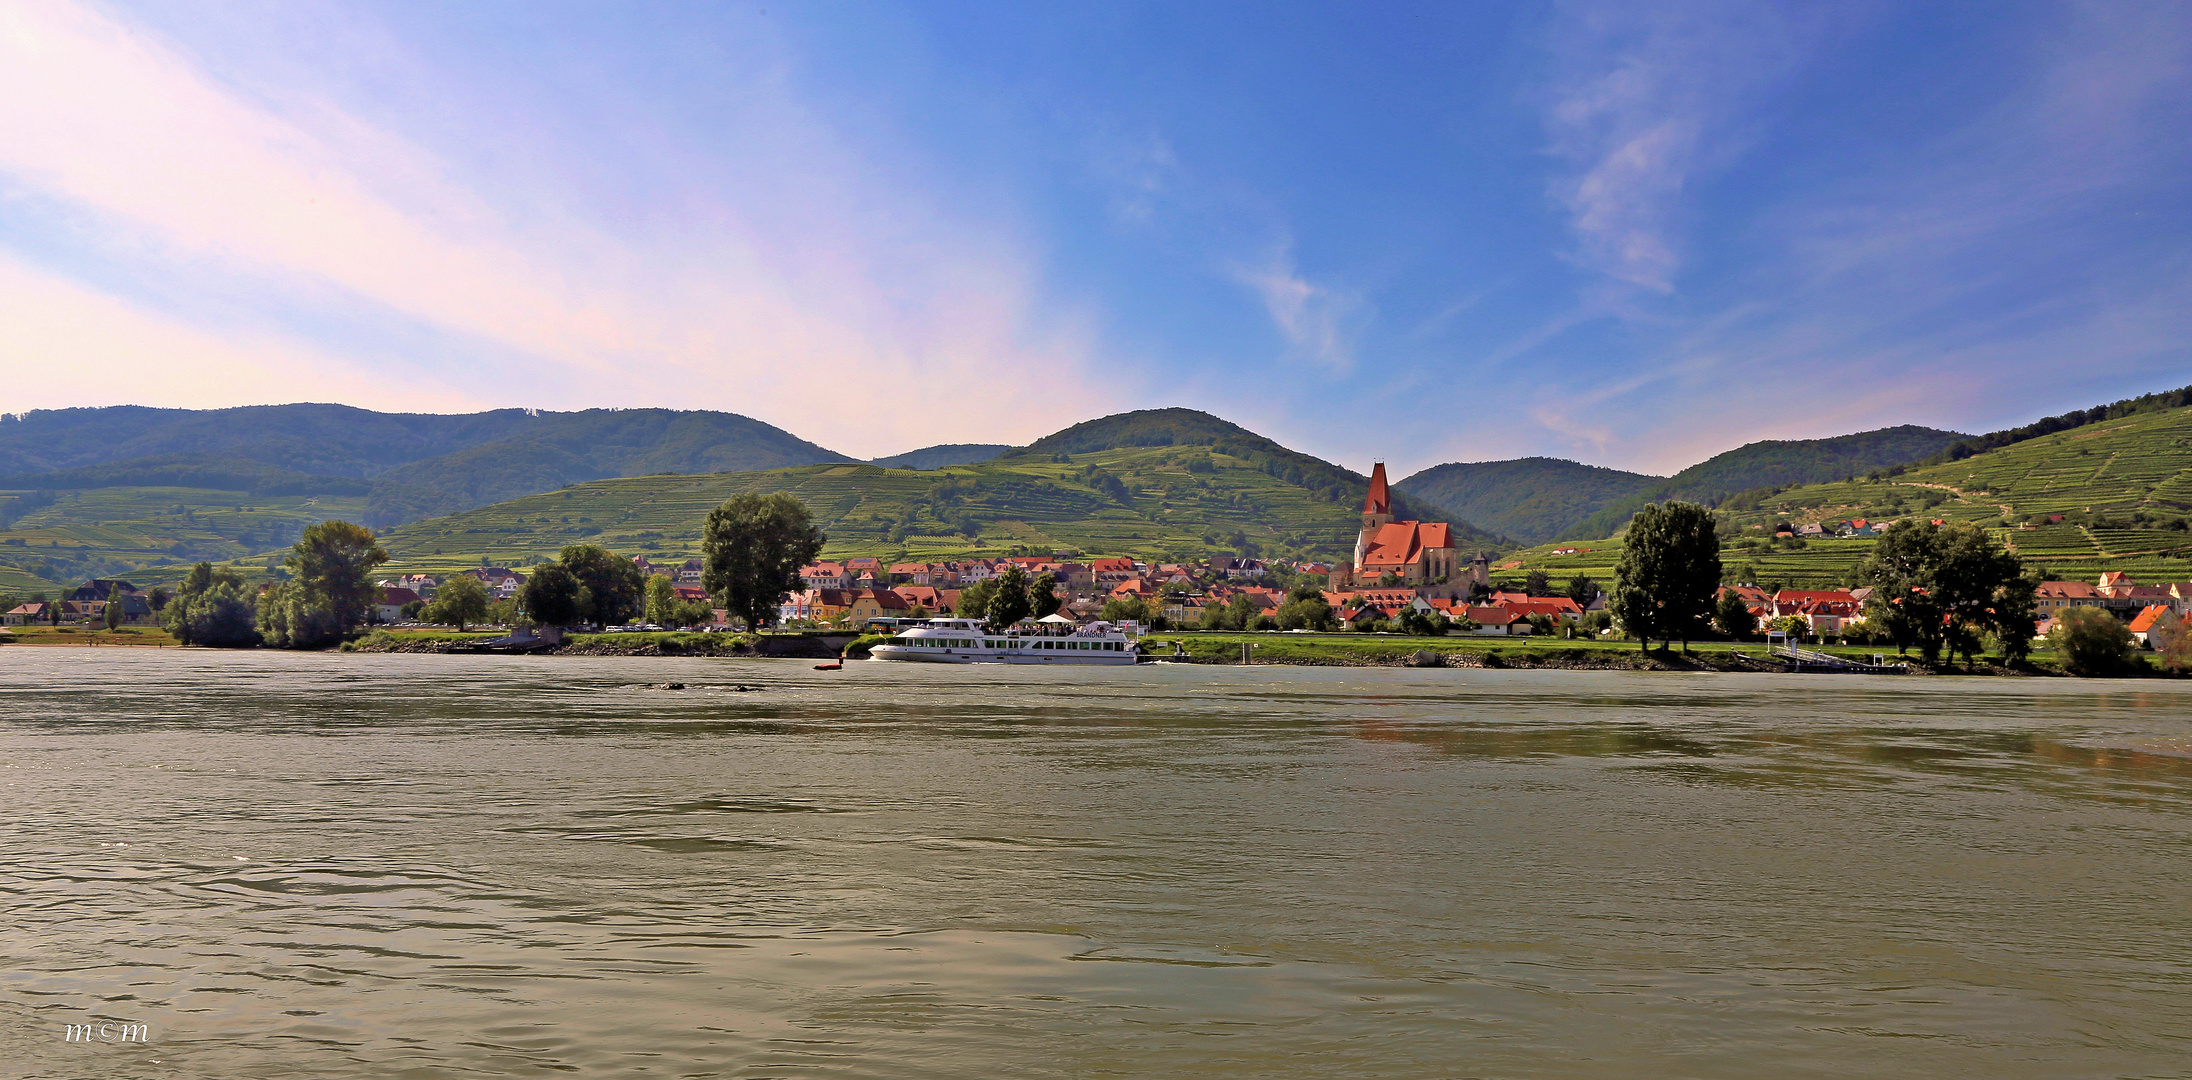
x=1377, y=507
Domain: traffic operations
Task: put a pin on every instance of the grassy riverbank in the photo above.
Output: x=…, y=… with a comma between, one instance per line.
x=1394, y=650
x=803, y=645
x=78, y=637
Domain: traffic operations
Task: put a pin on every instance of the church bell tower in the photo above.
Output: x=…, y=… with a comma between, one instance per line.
x=1377, y=507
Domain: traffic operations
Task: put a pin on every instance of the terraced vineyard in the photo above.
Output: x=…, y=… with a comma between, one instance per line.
x=2054, y=542
x=1820, y=564
x=104, y=531
x=2062, y=552
x=2132, y=466
x=1145, y=501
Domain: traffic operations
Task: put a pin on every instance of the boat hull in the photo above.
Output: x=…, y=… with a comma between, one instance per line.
x=999, y=656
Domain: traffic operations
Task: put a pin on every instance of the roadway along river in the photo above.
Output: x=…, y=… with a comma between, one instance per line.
x=427, y=866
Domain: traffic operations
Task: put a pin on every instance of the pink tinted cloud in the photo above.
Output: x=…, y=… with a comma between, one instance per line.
x=778, y=300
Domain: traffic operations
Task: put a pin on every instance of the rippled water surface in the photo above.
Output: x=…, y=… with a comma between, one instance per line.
x=427, y=866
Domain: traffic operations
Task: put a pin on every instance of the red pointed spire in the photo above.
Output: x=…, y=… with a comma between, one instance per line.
x=1380, y=500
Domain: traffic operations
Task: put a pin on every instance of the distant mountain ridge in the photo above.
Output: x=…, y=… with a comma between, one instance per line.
x=1773, y=463
x=413, y=464
x=944, y=455
x=1539, y=499
x=1530, y=499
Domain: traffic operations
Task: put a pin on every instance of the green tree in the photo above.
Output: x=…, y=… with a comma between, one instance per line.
x=1537, y=583
x=552, y=595
x=329, y=591
x=2091, y=641
x=213, y=607
x=2171, y=636
x=1670, y=566
x=1733, y=618
x=2016, y=617
x=661, y=599
x=1945, y=587
x=1240, y=612
x=974, y=599
x=1582, y=590
x=1213, y=617
x=1008, y=601
x=1311, y=612
x=612, y=583
x=460, y=601
x=690, y=613
x=1043, y=596
x=1126, y=609
x=510, y=613
x=752, y=548
x=111, y=615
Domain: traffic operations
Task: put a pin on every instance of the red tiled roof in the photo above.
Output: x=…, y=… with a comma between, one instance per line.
x=1402, y=543
x=2147, y=617
x=1555, y=606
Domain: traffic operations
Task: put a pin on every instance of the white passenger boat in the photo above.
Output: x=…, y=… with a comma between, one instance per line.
x=967, y=641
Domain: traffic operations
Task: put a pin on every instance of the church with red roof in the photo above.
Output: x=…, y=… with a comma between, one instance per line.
x=1419, y=553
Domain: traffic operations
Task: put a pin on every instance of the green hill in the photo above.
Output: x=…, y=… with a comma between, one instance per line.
x=571, y=447
x=1183, y=501
x=85, y=492
x=1529, y=499
x=196, y=471
x=1772, y=463
x=331, y=440
x=1190, y=427
x=944, y=455
x=55, y=538
x=2130, y=476
x=2122, y=487
x=1163, y=482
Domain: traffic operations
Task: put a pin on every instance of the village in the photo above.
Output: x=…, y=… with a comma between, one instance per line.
x=1404, y=576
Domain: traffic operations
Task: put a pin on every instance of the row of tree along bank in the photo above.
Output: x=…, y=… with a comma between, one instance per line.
x=753, y=546
x=1946, y=589
x=1940, y=588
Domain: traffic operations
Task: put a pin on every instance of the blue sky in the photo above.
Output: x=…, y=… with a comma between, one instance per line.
x=1634, y=235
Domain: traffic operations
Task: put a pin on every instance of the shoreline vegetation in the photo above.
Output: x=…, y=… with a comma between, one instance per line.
x=1195, y=647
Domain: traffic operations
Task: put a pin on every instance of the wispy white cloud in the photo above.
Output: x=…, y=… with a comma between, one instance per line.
x=1642, y=101
x=1979, y=275
x=63, y=344
x=804, y=271
x=1311, y=317
x=1137, y=172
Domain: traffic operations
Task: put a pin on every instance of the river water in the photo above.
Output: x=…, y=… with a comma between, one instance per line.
x=427, y=866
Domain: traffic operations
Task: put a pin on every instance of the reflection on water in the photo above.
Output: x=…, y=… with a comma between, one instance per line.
x=344, y=866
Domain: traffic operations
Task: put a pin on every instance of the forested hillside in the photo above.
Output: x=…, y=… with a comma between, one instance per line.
x=946, y=454
x=1163, y=482
x=598, y=443
x=1529, y=499
x=87, y=492
x=1190, y=427
x=1183, y=501
x=1775, y=462
x=2105, y=494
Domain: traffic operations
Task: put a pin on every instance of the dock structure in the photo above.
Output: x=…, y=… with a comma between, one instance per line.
x=1806, y=662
